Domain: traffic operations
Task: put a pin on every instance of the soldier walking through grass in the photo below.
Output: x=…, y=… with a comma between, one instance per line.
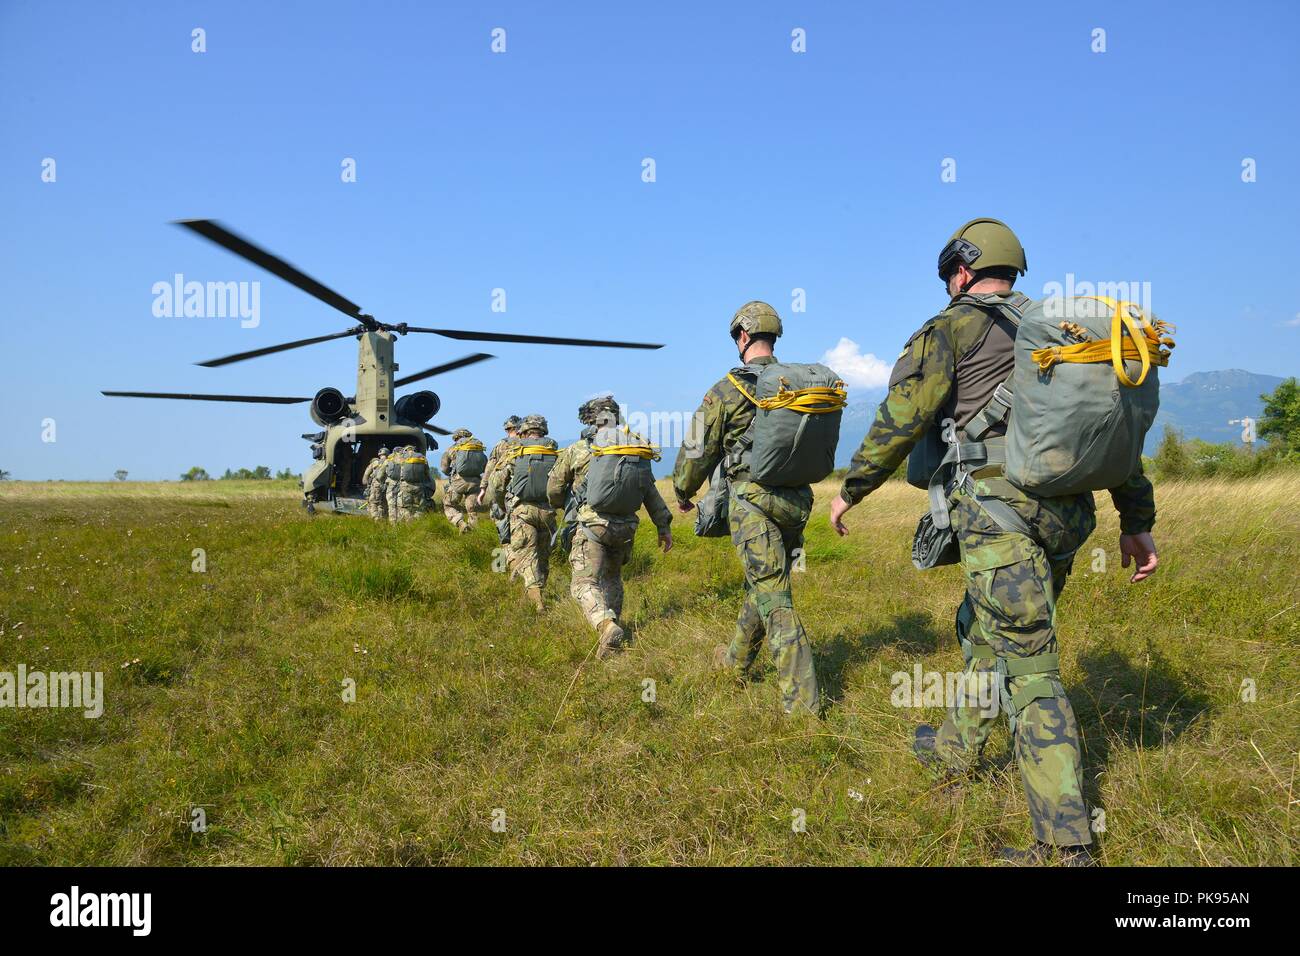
x=463, y=465
x=518, y=488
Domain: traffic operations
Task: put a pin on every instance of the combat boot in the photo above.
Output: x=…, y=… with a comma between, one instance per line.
x=534, y=594
x=1044, y=854
x=611, y=639
x=925, y=744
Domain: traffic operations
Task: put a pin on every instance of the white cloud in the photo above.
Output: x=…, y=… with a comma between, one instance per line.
x=857, y=370
x=1296, y=320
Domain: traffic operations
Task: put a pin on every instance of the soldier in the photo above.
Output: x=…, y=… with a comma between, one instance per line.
x=373, y=482
x=518, y=488
x=497, y=455
x=950, y=369
x=766, y=522
x=410, y=494
x=602, y=541
x=463, y=465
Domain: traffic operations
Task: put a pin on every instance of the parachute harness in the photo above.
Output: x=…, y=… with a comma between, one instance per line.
x=648, y=452
x=1148, y=341
x=817, y=400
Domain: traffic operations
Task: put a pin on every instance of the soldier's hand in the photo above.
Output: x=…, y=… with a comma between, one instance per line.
x=1141, y=550
x=685, y=506
x=666, y=541
x=838, y=509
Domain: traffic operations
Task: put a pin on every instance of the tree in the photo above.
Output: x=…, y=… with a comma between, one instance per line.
x=1280, y=423
x=195, y=474
x=120, y=474
x=1172, y=460
x=261, y=473
x=4, y=475
x=287, y=474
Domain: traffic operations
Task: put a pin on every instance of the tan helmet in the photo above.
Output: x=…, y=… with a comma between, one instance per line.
x=460, y=433
x=983, y=244
x=534, y=423
x=511, y=423
x=755, y=317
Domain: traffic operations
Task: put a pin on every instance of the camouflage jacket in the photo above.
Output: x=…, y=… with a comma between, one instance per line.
x=462, y=484
x=571, y=467
x=722, y=418
x=369, y=475
x=923, y=384
x=495, y=457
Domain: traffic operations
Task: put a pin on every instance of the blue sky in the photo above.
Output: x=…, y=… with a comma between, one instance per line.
x=775, y=170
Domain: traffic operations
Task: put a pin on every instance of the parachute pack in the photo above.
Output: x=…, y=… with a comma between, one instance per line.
x=468, y=459
x=619, y=472
x=533, y=464
x=796, y=427
x=1077, y=408
x=414, y=469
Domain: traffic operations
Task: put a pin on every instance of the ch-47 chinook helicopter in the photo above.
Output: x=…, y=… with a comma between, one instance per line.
x=356, y=426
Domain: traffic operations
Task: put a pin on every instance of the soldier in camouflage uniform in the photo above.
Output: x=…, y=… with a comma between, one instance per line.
x=602, y=543
x=459, y=493
x=373, y=482
x=531, y=523
x=1006, y=624
x=766, y=523
x=495, y=457
x=411, y=493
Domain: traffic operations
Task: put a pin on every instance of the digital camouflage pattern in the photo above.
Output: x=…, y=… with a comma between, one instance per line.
x=766, y=528
x=410, y=496
x=459, y=495
x=531, y=525
x=1008, y=616
x=374, y=483
x=602, y=543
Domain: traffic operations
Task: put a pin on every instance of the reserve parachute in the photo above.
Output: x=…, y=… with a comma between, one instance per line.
x=469, y=459
x=796, y=423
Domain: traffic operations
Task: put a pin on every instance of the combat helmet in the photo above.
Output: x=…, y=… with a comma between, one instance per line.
x=602, y=410
x=982, y=244
x=460, y=433
x=534, y=423
x=511, y=423
x=383, y=452
x=755, y=317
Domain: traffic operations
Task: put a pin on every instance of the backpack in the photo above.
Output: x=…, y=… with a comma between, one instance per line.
x=393, y=468
x=619, y=472
x=414, y=470
x=1085, y=391
x=712, y=513
x=533, y=464
x=468, y=459
x=796, y=426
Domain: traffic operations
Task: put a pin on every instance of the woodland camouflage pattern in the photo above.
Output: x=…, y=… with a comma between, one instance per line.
x=1012, y=580
x=602, y=543
x=766, y=528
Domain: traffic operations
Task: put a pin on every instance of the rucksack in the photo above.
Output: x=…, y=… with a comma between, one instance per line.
x=1085, y=391
x=796, y=426
x=712, y=513
x=619, y=472
x=1081, y=398
x=414, y=470
x=533, y=464
x=469, y=459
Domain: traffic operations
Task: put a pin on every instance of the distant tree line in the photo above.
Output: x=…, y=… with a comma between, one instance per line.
x=260, y=473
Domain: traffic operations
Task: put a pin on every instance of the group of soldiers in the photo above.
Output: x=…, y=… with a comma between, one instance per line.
x=1006, y=623
x=398, y=485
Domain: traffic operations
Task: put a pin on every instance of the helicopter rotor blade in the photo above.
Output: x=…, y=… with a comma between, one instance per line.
x=268, y=350
x=531, y=339
x=439, y=369
x=262, y=399
x=215, y=232
x=435, y=428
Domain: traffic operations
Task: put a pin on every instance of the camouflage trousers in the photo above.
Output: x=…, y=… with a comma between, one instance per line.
x=531, y=527
x=596, y=559
x=1006, y=626
x=459, y=503
x=406, y=501
x=377, y=501
x=766, y=528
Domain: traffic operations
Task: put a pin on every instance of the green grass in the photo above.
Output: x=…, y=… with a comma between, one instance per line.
x=224, y=690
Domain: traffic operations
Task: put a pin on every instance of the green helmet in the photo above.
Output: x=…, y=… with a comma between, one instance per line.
x=460, y=433
x=983, y=244
x=754, y=317
x=534, y=423
x=511, y=423
x=382, y=452
x=602, y=410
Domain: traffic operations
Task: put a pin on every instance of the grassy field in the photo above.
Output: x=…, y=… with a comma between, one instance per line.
x=224, y=691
